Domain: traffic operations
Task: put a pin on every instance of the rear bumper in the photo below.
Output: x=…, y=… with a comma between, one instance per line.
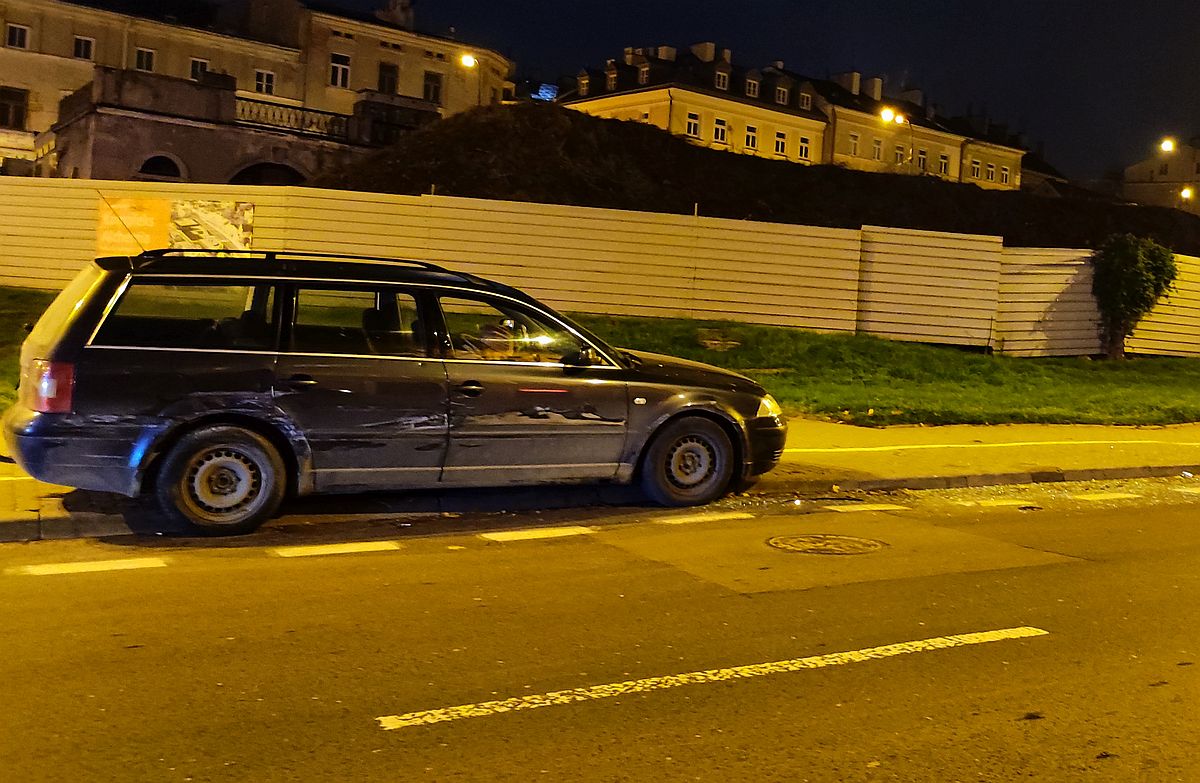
x=766, y=437
x=74, y=452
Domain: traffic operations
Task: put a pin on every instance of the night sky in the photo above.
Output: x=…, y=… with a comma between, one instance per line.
x=1097, y=81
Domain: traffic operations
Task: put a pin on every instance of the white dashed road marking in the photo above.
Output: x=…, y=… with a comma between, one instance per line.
x=335, y=549
x=537, y=532
x=715, y=517
x=865, y=507
x=91, y=566
x=591, y=693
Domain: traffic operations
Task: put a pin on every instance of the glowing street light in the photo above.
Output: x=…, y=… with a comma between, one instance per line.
x=1167, y=145
x=888, y=115
x=469, y=61
x=1186, y=194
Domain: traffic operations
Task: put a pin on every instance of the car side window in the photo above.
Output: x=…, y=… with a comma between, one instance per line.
x=495, y=331
x=168, y=315
x=357, y=321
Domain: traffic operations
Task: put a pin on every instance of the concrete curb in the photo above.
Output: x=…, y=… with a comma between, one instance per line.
x=53, y=522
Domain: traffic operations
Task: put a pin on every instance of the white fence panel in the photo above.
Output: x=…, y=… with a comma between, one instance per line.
x=1173, y=327
x=1046, y=307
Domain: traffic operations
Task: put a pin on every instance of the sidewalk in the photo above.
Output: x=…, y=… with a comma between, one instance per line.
x=819, y=456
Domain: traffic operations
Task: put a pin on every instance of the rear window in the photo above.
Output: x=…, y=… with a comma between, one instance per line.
x=66, y=306
x=162, y=315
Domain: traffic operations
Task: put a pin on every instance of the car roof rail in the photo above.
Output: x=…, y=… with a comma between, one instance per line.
x=150, y=257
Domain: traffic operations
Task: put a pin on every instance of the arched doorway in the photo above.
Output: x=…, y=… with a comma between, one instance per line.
x=268, y=174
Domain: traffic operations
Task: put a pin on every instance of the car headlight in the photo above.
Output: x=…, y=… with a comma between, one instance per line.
x=767, y=408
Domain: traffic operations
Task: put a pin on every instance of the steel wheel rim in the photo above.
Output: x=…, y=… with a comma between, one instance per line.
x=223, y=483
x=691, y=462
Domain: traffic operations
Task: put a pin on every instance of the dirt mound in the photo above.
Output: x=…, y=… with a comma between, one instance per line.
x=549, y=154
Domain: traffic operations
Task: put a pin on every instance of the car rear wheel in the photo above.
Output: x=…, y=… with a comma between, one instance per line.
x=221, y=480
x=689, y=463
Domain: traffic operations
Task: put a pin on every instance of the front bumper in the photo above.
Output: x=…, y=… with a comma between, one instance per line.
x=65, y=449
x=766, y=437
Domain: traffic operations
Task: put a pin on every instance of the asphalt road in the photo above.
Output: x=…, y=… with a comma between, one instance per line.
x=251, y=660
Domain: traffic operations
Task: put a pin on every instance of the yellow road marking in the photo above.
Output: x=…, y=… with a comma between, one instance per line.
x=335, y=549
x=537, y=532
x=629, y=687
x=1189, y=490
x=1016, y=444
x=1097, y=496
x=690, y=518
x=1001, y=502
x=91, y=566
x=865, y=507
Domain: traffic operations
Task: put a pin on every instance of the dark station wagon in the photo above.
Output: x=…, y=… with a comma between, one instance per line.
x=219, y=383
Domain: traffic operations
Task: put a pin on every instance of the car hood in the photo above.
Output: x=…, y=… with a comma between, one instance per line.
x=684, y=372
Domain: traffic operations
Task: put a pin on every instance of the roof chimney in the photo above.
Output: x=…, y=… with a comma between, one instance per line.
x=851, y=80
x=873, y=88
x=727, y=55
x=913, y=96
x=397, y=12
x=629, y=55
x=705, y=52
x=778, y=65
x=667, y=53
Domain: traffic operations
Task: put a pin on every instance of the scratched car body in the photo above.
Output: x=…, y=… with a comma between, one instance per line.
x=218, y=384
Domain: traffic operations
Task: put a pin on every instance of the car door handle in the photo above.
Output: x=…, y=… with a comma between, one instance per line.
x=302, y=379
x=470, y=389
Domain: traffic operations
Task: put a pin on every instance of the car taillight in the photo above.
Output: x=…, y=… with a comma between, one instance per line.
x=46, y=386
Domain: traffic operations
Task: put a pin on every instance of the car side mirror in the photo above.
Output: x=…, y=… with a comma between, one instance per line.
x=584, y=357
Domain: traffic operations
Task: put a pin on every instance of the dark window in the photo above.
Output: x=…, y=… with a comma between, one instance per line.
x=433, y=87
x=85, y=48
x=161, y=315
x=161, y=166
x=389, y=78
x=357, y=321
x=17, y=36
x=199, y=68
x=264, y=82
x=14, y=106
x=339, y=70
x=502, y=332
x=144, y=60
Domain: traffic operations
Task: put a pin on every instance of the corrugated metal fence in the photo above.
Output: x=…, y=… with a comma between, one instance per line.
x=897, y=283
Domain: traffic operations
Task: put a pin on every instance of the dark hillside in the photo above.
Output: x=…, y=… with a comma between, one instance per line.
x=549, y=154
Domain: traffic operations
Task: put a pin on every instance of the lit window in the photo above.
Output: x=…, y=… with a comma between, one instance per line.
x=751, y=88
x=751, y=137
x=693, y=125
x=781, y=143
x=584, y=85
x=922, y=159
x=264, y=82
x=85, y=48
x=143, y=60
x=199, y=68
x=976, y=167
x=804, y=147
x=943, y=164
x=1005, y=175
x=900, y=155
x=720, y=131
x=805, y=101
x=611, y=81
x=854, y=144
x=339, y=70
x=722, y=80
x=877, y=149
x=781, y=95
x=991, y=172
x=644, y=74
x=16, y=36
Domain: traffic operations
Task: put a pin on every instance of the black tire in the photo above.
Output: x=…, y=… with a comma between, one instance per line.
x=221, y=480
x=688, y=463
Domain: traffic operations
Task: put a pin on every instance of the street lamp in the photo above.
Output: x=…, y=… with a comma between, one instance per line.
x=471, y=63
x=1167, y=145
x=469, y=60
x=891, y=116
x=1186, y=194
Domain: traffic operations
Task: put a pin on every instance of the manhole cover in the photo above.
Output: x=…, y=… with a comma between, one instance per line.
x=824, y=544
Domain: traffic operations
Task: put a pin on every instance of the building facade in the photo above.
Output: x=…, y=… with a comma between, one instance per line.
x=1169, y=178
x=284, y=52
x=772, y=112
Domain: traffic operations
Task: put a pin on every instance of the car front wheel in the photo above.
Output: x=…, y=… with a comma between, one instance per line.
x=221, y=480
x=689, y=463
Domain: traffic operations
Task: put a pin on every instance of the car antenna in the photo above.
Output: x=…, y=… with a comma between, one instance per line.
x=123, y=223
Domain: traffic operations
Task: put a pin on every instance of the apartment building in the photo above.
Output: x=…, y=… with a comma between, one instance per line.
x=700, y=94
x=281, y=52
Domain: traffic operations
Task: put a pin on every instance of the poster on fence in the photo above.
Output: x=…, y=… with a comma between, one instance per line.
x=127, y=226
